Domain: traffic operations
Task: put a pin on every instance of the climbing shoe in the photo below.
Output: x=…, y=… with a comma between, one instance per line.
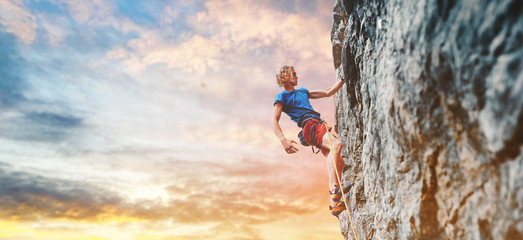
x=336, y=197
x=336, y=210
x=336, y=194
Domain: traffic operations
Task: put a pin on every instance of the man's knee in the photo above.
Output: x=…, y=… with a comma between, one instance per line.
x=337, y=145
x=330, y=142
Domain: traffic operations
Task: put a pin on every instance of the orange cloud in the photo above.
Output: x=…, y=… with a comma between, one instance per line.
x=249, y=191
x=240, y=194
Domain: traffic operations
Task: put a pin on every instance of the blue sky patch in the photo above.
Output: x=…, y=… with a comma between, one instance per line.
x=140, y=11
x=12, y=83
x=45, y=6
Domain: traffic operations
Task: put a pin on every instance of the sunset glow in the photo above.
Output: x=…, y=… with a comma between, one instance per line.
x=151, y=120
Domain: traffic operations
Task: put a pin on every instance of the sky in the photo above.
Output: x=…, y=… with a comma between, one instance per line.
x=151, y=119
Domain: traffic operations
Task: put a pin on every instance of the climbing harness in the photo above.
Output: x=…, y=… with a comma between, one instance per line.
x=312, y=131
x=339, y=181
x=311, y=143
x=305, y=143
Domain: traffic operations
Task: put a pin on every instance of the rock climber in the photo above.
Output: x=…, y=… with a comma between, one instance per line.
x=295, y=103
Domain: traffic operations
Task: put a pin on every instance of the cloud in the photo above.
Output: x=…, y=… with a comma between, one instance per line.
x=170, y=15
x=248, y=191
x=245, y=26
x=80, y=10
x=55, y=120
x=83, y=17
x=84, y=10
x=182, y=140
x=38, y=126
x=24, y=116
x=196, y=55
x=26, y=196
x=52, y=23
x=18, y=20
x=226, y=33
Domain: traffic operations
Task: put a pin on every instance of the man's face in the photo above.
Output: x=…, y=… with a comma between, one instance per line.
x=293, y=77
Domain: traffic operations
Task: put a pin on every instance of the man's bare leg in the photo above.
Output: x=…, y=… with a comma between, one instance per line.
x=335, y=153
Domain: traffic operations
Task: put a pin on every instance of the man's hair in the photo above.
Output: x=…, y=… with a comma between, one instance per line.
x=282, y=74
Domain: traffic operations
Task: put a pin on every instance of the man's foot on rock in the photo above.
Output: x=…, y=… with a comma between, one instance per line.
x=336, y=210
x=336, y=193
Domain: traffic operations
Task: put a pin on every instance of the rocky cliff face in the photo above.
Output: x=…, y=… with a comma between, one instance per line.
x=431, y=117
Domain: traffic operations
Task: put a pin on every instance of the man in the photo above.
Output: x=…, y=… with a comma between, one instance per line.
x=295, y=103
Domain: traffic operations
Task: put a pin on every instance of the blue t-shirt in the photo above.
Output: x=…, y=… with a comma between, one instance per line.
x=296, y=104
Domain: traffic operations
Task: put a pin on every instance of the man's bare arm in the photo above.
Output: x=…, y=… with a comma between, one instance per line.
x=327, y=92
x=289, y=148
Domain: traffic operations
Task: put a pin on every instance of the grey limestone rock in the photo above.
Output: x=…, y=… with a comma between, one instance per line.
x=431, y=117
